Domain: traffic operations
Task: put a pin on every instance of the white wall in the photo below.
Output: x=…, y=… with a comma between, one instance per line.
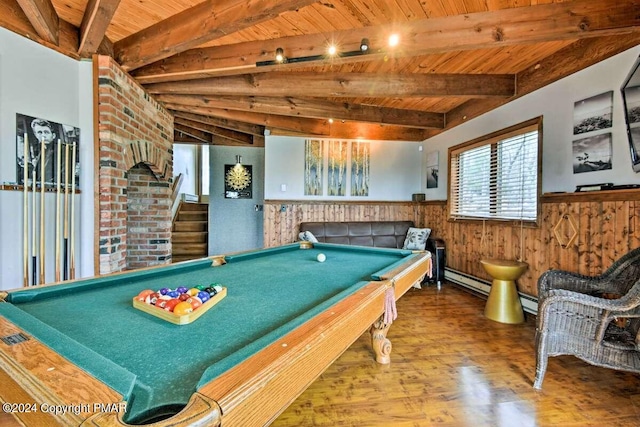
x=40, y=82
x=394, y=176
x=555, y=103
x=185, y=163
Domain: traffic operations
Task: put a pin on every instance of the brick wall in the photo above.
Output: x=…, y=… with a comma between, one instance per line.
x=136, y=137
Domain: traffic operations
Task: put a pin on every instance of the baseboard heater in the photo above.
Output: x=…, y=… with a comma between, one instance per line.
x=482, y=287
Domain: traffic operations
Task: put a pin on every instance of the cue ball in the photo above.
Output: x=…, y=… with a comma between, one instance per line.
x=321, y=257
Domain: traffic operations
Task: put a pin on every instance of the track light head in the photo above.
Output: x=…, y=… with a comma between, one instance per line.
x=364, y=45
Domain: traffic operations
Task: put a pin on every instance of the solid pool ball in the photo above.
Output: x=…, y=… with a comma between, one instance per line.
x=164, y=291
x=200, y=287
x=173, y=294
x=181, y=289
x=321, y=257
x=171, y=304
x=193, y=292
x=184, y=297
x=182, y=308
x=204, y=296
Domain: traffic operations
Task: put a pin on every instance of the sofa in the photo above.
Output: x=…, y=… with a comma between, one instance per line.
x=385, y=234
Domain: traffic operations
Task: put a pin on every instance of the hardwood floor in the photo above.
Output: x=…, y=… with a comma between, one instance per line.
x=450, y=366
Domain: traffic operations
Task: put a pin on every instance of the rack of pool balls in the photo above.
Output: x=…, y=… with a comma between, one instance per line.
x=181, y=305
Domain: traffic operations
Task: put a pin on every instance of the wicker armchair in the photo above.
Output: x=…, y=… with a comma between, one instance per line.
x=596, y=319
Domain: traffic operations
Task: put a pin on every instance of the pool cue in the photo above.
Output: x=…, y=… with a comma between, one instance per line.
x=25, y=212
x=65, y=260
x=58, y=165
x=34, y=258
x=72, y=267
x=42, y=236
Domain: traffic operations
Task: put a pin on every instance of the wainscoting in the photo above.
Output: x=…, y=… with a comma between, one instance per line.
x=606, y=225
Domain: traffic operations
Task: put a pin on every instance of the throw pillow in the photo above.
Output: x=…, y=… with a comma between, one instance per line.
x=307, y=236
x=416, y=239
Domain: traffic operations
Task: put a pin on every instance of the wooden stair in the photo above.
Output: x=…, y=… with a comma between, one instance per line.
x=190, y=232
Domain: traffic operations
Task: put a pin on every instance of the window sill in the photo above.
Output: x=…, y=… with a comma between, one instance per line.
x=592, y=196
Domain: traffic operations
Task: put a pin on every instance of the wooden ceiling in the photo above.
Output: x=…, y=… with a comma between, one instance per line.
x=212, y=63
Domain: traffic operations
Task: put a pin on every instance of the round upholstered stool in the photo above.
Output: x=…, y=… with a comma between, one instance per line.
x=504, y=304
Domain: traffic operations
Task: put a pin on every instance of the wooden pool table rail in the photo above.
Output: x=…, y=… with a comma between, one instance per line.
x=253, y=393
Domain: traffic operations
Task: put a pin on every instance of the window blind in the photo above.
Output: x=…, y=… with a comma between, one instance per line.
x=496, y=178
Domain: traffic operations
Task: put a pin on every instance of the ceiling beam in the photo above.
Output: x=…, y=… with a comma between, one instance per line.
x=242, y=138
x=255, y=130
x=43, y=17
x=209, y=20
x=563, y=63
x=294, y=124
x=96, y=19
x=282, y=125
x=193, y=133
x=355, y=130
x=14, y=19
x=181, y=138
x=318, y=84
x=312, y=108
x=184, y=138
x=531, y=24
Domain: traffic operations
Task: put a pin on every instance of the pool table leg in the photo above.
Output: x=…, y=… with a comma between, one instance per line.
x=381, y=345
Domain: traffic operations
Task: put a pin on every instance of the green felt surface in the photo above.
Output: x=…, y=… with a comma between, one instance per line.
x=270, y=292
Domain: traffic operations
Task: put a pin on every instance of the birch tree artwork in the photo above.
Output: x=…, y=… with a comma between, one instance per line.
x=337, y=168
x=360, y=160
x=313, y=167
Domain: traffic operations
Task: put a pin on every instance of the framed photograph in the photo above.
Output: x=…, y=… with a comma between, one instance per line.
x=593, y=113
x=360, y=168
x=432, y=169
x=313, y=167
x=337, y=168
x=32, y=133
x=592, y=153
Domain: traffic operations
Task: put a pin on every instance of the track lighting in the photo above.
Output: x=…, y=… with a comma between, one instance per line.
x=394, y=39
x=364, y=45
x=332, y=52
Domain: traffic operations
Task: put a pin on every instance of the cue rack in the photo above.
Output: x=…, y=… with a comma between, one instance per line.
x=34, y=213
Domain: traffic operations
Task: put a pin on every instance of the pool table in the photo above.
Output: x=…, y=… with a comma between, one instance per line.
x=78, y=352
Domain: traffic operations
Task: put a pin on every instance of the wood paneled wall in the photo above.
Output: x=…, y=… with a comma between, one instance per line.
x=607, y=225
x=283, y=217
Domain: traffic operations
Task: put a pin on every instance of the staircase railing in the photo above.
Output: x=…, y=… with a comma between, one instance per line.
x=175, y=201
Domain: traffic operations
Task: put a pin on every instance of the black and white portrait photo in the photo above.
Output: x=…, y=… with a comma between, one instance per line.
x=432, y=169
x=592, y=153
x=34, y=133
x=593, y=113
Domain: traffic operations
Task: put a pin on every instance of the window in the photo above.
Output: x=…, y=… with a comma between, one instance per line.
x=496, y=177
